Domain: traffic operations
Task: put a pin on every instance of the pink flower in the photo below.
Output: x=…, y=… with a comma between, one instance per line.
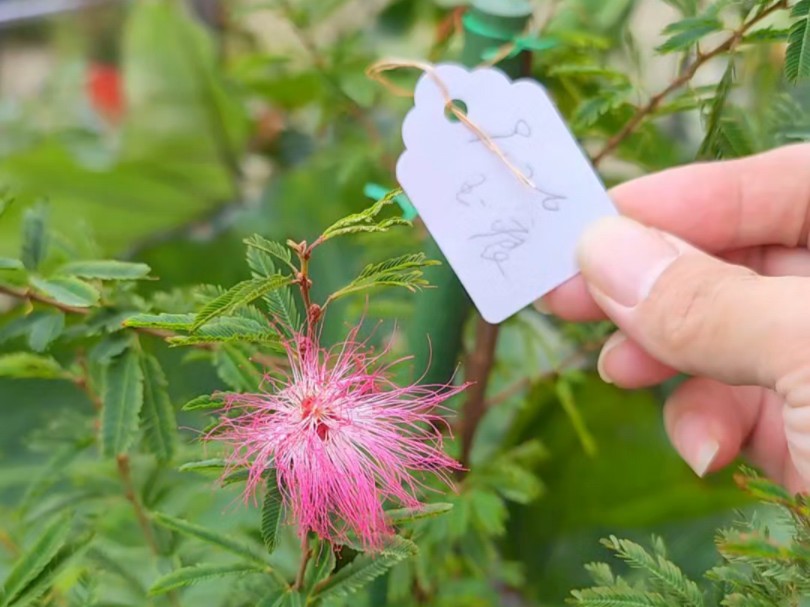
x=344, y=439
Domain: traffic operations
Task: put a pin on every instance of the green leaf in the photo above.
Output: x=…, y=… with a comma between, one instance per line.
x=106, y=270
x=665, y=577
x=175, y=322
x=320, y=566
x=290, y=599
x=229, y=329
x=566, y=396
x=269, y=599
x=487, y=512
x=44, y=329
x=765, y=490
x=601, y=574
x=687, y=33
x=6, y=200
x=617, y=597
x=687, y=7
x=39, y=585
x=797, y=58
x=35, y=559
x=239, y=295
x=68, y=291
x=280, y=302
x=159, y=423
x=766, y=35
x=211, y=537
x=271, y=512
x=35, y=236
x=257, y=246
x=800, y=9
x=404, y=271
x=7, y=263
x=587, y=71
x=203, y=402
x=365, y=220
x=366, y=568
x=213, y=464
x=235, y=369
x=111, y=346
x=610, y=99
x=714, y=114
x=188, y=576
x=123, y=400
x=26, y=365
x=398, y=516
x=281, y=305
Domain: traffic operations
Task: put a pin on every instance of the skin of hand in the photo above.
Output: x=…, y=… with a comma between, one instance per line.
x=707, y=272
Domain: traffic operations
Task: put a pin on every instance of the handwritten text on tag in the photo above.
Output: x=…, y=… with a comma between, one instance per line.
x=509, y=243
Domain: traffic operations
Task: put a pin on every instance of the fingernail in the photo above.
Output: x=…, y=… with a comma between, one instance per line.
x=540, y=306
x=612, y=343
x=695, y=444
x=623, y=259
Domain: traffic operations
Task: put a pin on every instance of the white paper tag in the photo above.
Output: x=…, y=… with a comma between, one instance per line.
x=508, y=243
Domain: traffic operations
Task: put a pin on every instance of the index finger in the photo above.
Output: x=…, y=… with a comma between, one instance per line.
x=716, y=206
x=719, y=206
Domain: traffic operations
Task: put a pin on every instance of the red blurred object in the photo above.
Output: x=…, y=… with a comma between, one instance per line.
x=106, y=92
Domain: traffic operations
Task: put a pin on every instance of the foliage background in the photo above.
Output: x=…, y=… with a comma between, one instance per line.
x=259, y=119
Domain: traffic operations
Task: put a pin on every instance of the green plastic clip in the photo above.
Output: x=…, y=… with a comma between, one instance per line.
x=377, y=192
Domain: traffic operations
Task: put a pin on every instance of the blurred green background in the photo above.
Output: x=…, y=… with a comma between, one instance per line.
x=166, y=132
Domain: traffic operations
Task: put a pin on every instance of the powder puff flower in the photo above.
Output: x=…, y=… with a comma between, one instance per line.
x=344, y=439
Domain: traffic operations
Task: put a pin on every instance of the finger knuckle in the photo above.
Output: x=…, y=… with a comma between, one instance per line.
x=686, y=310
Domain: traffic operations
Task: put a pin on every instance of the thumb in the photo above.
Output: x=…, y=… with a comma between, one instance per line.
x=697, y=313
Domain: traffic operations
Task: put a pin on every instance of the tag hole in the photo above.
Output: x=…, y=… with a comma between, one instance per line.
x=459, y=105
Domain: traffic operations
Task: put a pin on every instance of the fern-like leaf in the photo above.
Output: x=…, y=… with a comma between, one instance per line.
x=405, y=271
x=608, y=596
x=271, y=512
x=797, y=58
x=211, y=537
x=365, y=221
x=364, y=569
x=188, y=576
x=665, y=577
x=280, y=302
x=258, y=245
x=239, y=295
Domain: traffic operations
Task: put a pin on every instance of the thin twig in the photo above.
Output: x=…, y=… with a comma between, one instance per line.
x=306, y=554
x=124, y=472
x=479, y=369
x=32, y=296
x=83, y=383
x=656, y=100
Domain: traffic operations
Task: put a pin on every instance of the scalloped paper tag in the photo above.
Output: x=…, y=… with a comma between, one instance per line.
x=508, y=242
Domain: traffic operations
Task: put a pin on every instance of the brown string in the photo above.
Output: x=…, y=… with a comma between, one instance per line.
x=376, y=71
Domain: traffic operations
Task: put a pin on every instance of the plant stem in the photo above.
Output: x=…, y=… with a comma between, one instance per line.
x=479, y=368
x=686, y=76
x=306, y=554
x=31, y=296
x=125, y=474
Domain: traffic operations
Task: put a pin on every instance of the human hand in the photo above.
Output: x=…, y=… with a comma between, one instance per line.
x=736, y=316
